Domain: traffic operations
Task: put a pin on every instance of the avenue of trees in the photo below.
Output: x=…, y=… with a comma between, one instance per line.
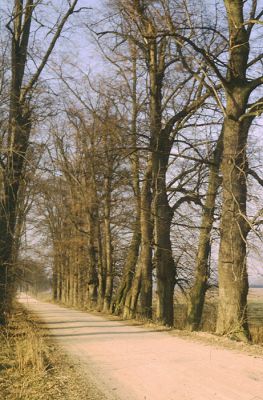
x=142, y=178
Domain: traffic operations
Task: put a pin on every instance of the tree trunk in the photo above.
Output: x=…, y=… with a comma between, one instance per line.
x=146, y=245
x=162, y=215
x=55, y=274
x=101, y=268
x=199, y=288
x=108, y=247
x=142, y=280
x=133, y=252
x=233, y=279
x=92, y=278
x=163, y=257
x=129, y=270
x=60, y=280
x=131, y=301
x=76, y=283
x=92, y=273
x=232, y=268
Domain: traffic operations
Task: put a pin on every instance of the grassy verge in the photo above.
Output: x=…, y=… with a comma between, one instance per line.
x=33, y=368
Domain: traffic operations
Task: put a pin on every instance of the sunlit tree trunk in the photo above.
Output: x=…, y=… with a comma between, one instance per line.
x=143, y=273
x=233, y=278
x=134, y=247
x=162, y=212
x=131, y=300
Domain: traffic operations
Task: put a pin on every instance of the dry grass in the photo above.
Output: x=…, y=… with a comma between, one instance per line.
x=23, y=360
x=33, y=368
x=256, y=334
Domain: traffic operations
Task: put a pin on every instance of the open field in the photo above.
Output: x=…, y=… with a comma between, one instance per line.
x=255, y=313
x=255, y=307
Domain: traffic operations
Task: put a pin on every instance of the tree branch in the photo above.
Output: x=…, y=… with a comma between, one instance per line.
x=57, y=34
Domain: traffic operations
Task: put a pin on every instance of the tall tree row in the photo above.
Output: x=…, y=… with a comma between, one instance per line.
x=148, y=164
x=80, y=216
x=15, y=142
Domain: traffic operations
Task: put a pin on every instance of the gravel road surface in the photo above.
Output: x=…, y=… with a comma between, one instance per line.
x=134, y=363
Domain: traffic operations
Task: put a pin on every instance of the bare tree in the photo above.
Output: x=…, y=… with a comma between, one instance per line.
x=238, y=82
x=20, y=124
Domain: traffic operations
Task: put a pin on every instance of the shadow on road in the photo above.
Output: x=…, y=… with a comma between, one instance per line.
x=102, y=333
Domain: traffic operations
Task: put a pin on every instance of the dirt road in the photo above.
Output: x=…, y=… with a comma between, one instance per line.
x=133, y=363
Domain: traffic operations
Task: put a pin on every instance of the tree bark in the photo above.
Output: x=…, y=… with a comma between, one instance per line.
x=202, y=272
x=163, y=257
x=129, y=270
x=101, y=267
x=233, y=278
x=232, y=268
x=92, y=277
x=131, y=301
x=145, y=262
x=134, y=248
x=108, y=246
